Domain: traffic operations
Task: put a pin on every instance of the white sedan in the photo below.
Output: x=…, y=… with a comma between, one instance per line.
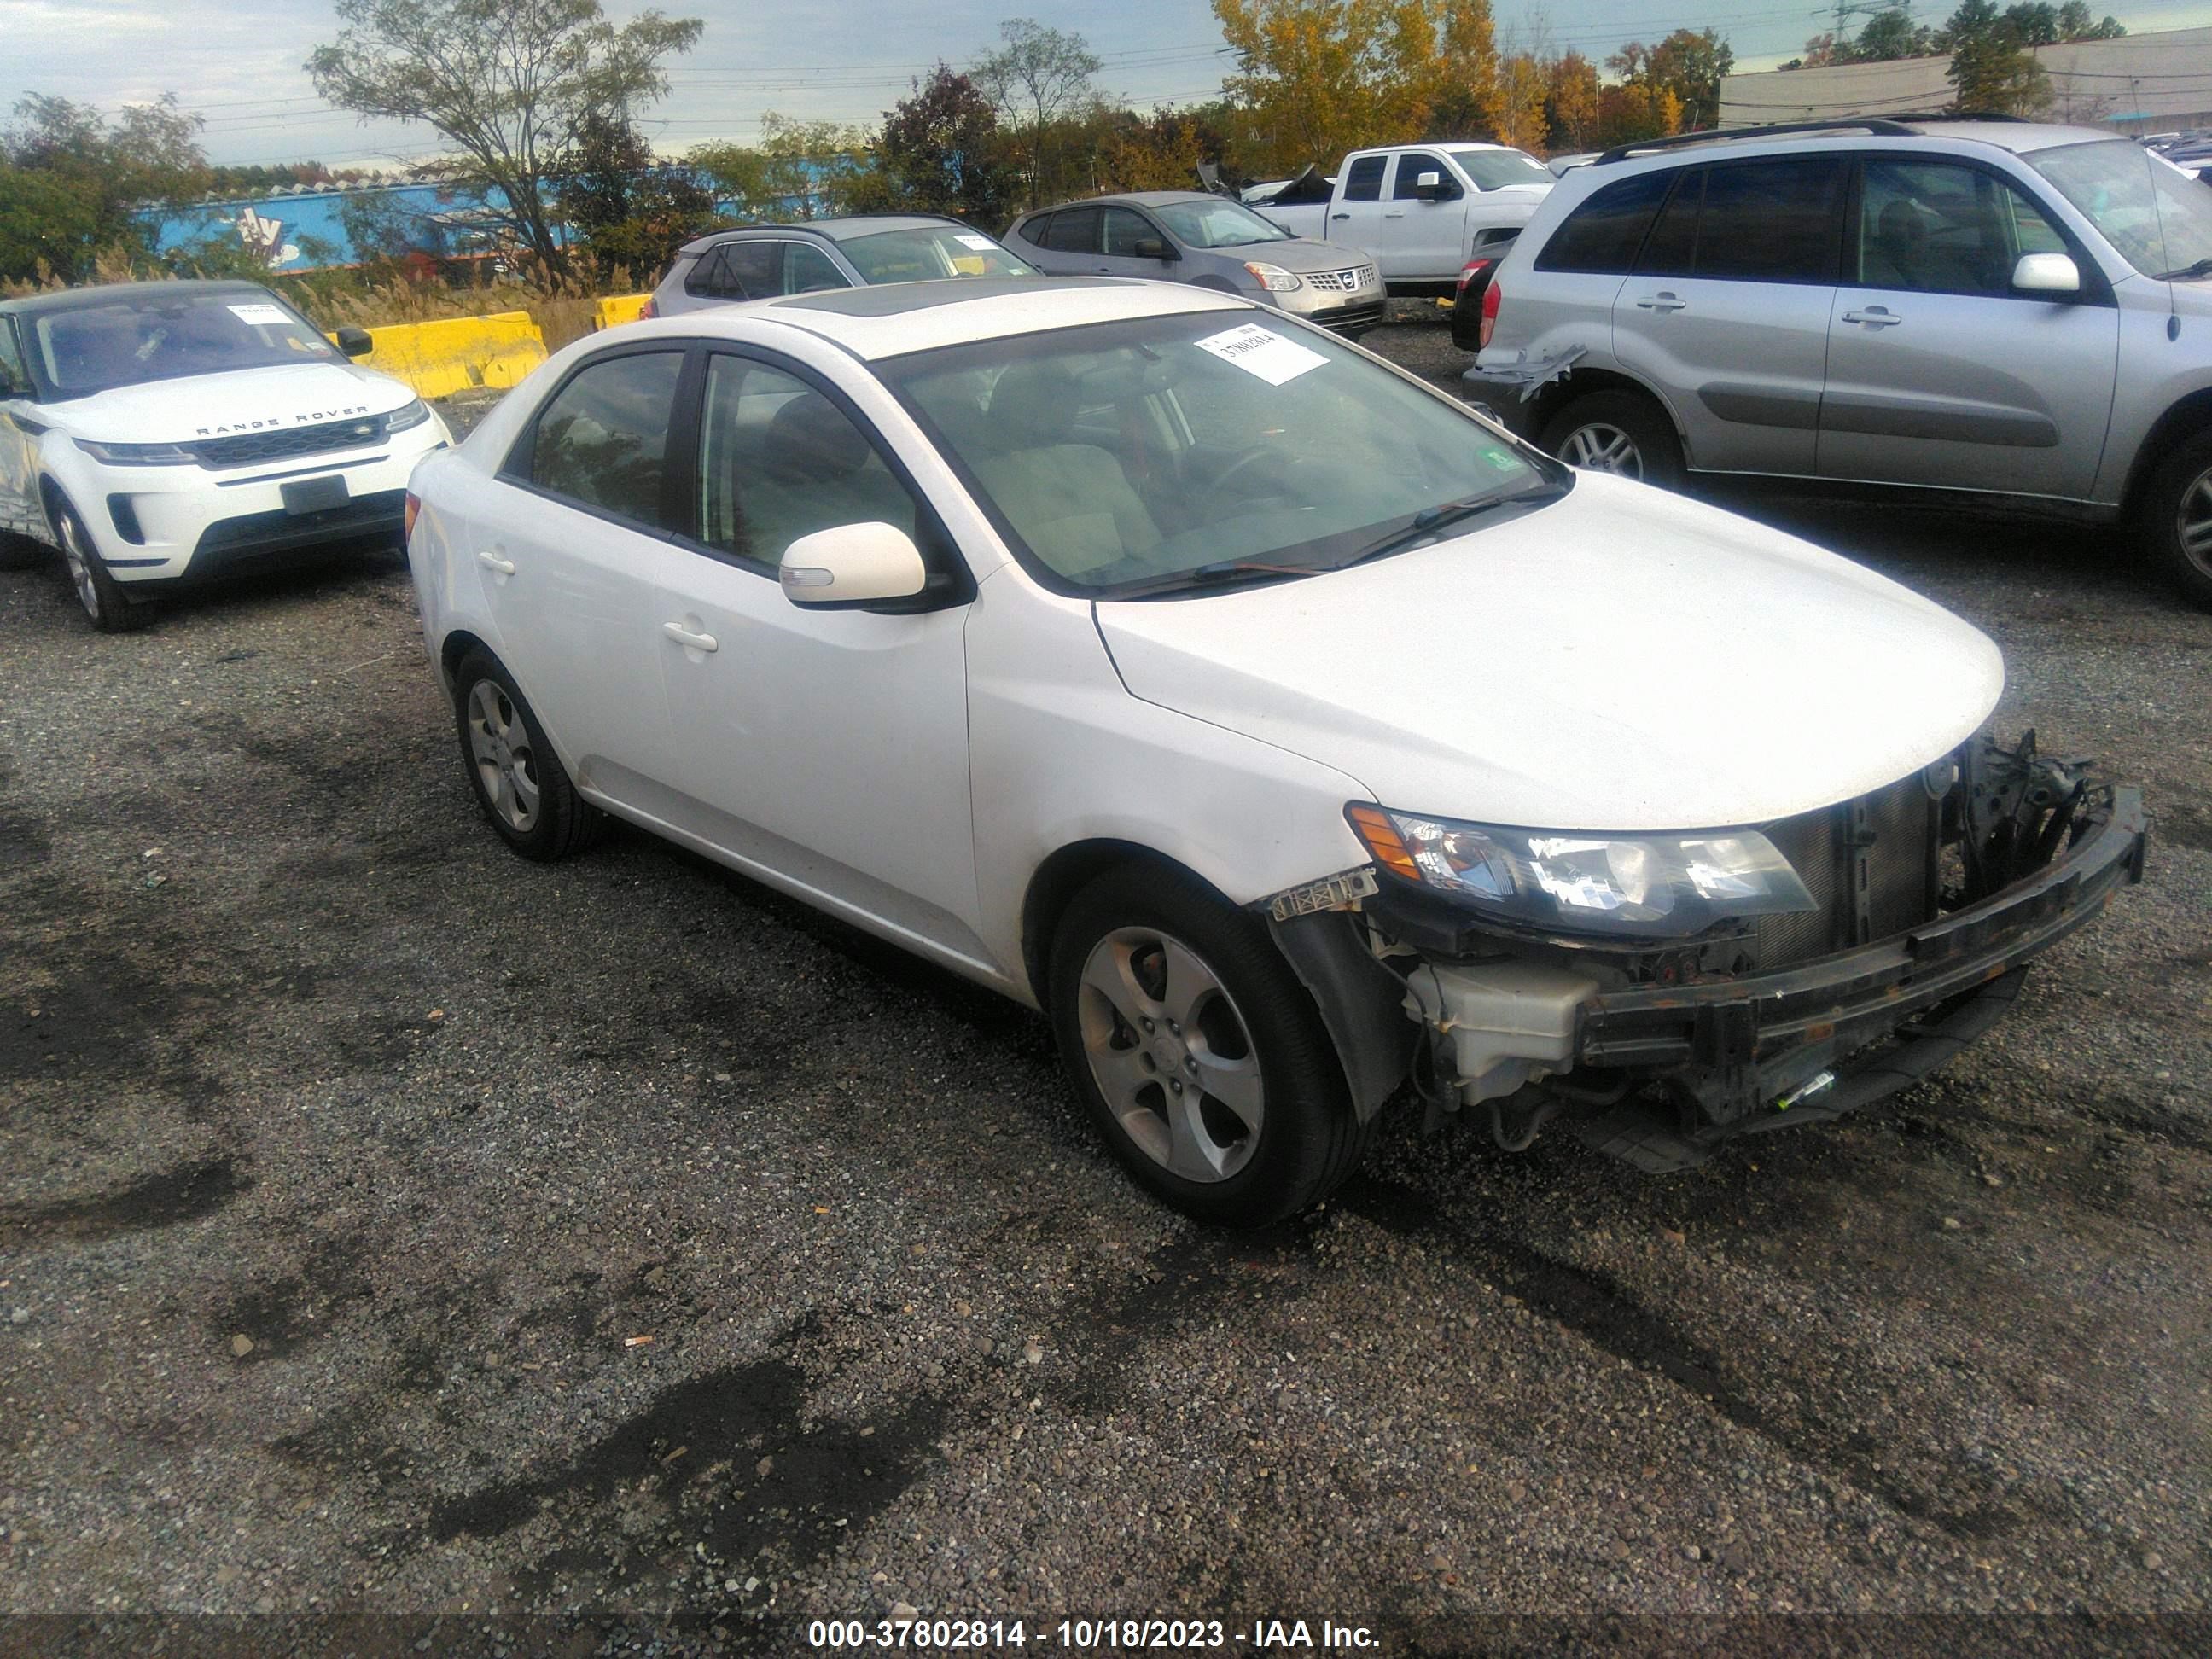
x=159, y=433
x=1291, y=735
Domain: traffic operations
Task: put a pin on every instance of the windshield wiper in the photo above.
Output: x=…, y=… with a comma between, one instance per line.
x=1430, y=520
x=1224, y=572
x=2202, y=268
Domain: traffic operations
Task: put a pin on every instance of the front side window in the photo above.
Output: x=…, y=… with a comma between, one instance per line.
x=2159, y=221
x=1124, y=230
x=1407, y=185
x=602, y=439
x=152, y=334
x=14, y=376
x=1127, y=456
x=810, y=271
x=932, y=254
x=1937, y=227
x=778, y=460
x=1364, y=182
x=1603, y=233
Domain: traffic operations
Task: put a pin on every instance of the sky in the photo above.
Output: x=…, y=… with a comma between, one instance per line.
x=238, y=63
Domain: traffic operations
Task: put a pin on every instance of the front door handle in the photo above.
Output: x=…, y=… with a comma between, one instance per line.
x=493, y=561
x=1340, y=215
x=1662, y=302
x=1874, y=317
x=1395, y=213
x=683, y=635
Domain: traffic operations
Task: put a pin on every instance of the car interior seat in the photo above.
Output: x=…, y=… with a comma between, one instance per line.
x=817, y=470
x=1072, y=502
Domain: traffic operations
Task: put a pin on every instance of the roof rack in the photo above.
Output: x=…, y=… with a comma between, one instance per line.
x=1878, y=126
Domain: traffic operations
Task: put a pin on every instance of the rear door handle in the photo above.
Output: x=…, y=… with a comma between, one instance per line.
x=1395, y=213
x=1662, y=302
x=683, y=635
x=1874, y=317
x=493, y=561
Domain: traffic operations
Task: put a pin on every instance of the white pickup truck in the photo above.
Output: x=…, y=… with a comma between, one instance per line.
x=1420, y=210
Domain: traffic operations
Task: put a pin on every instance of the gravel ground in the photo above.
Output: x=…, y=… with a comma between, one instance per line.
x=616, y=1255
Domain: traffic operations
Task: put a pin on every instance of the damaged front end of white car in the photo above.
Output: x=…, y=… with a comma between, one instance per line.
x=1661, y=994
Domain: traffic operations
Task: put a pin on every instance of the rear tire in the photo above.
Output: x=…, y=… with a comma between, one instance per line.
x=2176, y=518
x=1199, y=1055
x=105, y=605
x=520, y=782
x=1622, y=433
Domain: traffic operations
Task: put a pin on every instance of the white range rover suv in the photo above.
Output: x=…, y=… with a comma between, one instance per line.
x=159, y=433
x=1284, y=731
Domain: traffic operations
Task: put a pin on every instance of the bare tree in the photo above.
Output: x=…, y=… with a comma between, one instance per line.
x=1037, y=77
x=514, y=83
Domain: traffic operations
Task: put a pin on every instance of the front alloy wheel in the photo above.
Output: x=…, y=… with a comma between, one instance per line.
x=102, y=598
x=1170, y=1054
x=1201, y=1055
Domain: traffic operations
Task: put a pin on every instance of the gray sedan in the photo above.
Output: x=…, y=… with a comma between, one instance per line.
x=1208, y=241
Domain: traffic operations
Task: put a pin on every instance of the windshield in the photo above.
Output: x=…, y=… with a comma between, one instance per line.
x=1490, y=168
x=927, y=256
x=1218, y=223
x=1127, y=455
x=152, y=336
x=2160, y=221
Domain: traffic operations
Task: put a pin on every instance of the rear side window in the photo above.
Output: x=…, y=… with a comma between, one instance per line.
x=755, y=269
x=1603, y=233
x=1075, y=232
x=1671, y=250
x=1772, y=222
x=1034, y=231
x=708, y=280
x=602, y=439
x=1364, y=182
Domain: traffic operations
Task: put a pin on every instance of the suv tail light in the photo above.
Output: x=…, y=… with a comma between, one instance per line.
x=1470, y=270
x=1490, y=296
x=648, y=311
x=414, y=510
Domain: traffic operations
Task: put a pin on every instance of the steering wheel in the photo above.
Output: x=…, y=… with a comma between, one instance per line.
x=1249, y=461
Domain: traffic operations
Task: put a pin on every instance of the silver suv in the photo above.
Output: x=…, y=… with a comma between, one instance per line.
x=2020, y=312
x=766, y=262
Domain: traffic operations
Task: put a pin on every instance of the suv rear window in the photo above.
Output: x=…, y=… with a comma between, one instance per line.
x=1777, y=221
x=1603, y=233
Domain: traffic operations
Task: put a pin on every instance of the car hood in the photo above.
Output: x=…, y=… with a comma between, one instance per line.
x=240, y=400
x=1620, y=659
x=1301, y=255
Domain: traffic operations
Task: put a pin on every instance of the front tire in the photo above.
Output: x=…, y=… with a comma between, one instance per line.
x=1617, y=432
x=105, y=603
x=2177, y=519
x=1201, y=1056
x=520, y=783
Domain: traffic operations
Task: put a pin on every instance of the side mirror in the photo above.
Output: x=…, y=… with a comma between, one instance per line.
x=1151, y=247
x=1429, y=185
x=354, y=342
x=852, y=564
x=2047, y=273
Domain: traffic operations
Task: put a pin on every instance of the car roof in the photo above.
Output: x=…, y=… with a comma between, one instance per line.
x=893, y=318
x=80, y=299
x=835, y=230
x=1133, y=198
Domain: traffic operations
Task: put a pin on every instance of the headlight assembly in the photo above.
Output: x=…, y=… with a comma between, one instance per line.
x=1663, y=886
x=138, y=454
x=1273, y=278
x=413, y=413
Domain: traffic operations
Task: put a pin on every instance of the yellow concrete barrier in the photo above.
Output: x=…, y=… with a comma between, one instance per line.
x=621, y=308
x=455, y=352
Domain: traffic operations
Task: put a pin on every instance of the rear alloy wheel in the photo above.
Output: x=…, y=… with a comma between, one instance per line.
x=99, y=592
x=2178, y=518
x=1619, y=432
x=519, y=781
x=1201, y=1056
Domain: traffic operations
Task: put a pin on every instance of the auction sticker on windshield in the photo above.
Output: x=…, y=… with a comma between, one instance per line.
x=1262, y=352
x=257, y=312
x=981, y=244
